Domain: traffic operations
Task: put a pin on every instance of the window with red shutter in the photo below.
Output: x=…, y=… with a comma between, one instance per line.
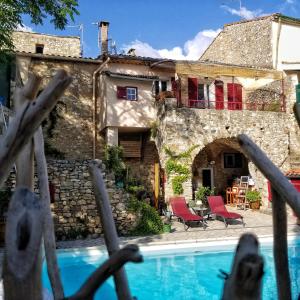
x=234, y=91
x=219, y=90
x=121, y=92
x=193, y=88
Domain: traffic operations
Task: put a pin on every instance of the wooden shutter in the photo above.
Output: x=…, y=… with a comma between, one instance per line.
x=192, y=88
x=235, y=96
x=121, y=92
x=219, y=90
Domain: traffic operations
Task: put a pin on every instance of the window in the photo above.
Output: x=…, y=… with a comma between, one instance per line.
x=235, y=96
x=39, y=48
x=160, y=86
x=131, y=93
x=233, y=160
x=127, y=93
x=197, y=91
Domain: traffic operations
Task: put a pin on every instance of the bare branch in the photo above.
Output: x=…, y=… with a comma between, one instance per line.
x=280, y=247
x=244, y=281
x=278, y=181
x=109, y=228
x=27, y=121
x=49, y=236
x=129, y=253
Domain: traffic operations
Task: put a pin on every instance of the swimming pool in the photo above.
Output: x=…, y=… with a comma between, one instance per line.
x=182, y=271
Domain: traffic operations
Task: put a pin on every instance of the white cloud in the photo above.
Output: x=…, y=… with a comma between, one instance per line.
x=243, y=12
x=290, y=1
x=191, y=50
x=23, y=27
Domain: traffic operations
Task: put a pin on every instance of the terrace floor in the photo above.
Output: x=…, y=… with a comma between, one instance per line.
x=257, y=222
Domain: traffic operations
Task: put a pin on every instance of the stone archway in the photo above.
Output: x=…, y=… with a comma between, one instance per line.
x=218, y=164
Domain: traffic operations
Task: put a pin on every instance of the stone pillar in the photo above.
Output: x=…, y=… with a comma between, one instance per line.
x=112, y=136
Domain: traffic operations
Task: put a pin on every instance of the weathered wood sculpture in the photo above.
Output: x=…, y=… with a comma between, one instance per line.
x=244, y=281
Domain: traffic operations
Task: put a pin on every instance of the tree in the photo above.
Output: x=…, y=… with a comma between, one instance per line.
x=11, y=12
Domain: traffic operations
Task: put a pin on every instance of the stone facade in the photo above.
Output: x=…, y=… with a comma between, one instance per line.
x=246, y=44
x=181, y=128
x=52, y=44
x=69, y=130
x=74, y=207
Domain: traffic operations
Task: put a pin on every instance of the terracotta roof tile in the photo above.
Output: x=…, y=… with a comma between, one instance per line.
x=293, y=173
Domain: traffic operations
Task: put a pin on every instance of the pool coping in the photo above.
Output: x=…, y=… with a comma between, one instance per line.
x=208, y=244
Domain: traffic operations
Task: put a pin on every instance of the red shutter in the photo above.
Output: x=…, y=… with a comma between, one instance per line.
x=192, y=88
x=238, y=96
x=219, y=94
x=234, y=96
x=174, y=85
x=121, y=92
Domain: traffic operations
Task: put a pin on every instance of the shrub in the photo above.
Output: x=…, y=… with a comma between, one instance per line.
x=113, y=160
x=253, y=196
x=149, y=222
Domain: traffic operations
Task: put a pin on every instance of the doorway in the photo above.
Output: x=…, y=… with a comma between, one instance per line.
x=207, y=178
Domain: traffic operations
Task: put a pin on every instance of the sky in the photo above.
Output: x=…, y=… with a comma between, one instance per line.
x=162, y=28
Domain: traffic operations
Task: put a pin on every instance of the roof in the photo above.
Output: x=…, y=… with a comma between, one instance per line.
x=130, y=76
x=59, y=57
x=46, y=34
x=293, y=173
x=273, y=17
x=138, y=59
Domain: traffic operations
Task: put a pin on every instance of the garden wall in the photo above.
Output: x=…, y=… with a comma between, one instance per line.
x=74, y=208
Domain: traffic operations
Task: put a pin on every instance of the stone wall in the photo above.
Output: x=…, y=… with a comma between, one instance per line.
x=53, y=44
x=71, y=127
x=245, y=43
x=74, y=207
x=181, y=128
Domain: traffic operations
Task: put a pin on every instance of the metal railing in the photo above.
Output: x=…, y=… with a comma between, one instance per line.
x=237, y=105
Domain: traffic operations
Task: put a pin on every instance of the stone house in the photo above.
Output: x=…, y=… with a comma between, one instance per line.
x=117, y=99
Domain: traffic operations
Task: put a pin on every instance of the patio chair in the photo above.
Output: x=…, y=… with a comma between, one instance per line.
x=218, y=208
x=182, y=212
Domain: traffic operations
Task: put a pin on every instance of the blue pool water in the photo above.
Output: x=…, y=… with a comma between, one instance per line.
x=185, y=276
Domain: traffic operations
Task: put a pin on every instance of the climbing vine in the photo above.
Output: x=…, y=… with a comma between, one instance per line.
x=176, y=165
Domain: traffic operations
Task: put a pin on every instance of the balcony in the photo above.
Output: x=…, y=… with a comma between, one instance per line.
x=278, y=106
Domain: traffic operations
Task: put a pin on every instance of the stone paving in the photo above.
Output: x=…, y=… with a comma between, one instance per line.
x=258, y=223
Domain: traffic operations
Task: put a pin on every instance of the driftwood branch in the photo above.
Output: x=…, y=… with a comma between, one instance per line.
x=244, y=281
x=49, y=236
x=25, y=161
x=27, y=121
x=280, y=249
x=22, y=263
x=109, y=229
x=129, y=253
x=278, y=181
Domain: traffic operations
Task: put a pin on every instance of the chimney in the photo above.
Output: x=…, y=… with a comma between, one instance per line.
x=104, y=37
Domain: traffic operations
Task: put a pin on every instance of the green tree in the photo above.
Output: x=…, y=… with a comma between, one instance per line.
x=11, y=12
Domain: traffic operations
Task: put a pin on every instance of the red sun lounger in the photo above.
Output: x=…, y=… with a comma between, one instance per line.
x=218, y=208
x=182, y=212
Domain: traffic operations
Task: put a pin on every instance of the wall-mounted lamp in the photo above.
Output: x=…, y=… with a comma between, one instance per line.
x=212, y=162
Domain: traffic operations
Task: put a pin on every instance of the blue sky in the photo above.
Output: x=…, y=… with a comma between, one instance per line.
x=164, y=28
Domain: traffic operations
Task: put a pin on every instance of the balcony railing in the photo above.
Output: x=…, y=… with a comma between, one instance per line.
x=237, y=105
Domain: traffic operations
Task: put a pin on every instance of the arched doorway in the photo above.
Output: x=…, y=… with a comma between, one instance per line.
x=218, y=165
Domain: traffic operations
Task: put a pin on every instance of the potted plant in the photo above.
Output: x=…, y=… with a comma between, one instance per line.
x=254, y=199
x=201, y=195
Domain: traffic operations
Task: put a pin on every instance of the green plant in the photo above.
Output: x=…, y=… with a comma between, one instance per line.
x=154, y=129
x=176, y=165
x=53, y=152
x=149, y=221
x=113, y=160
x=253, y=196
x=202, y=193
